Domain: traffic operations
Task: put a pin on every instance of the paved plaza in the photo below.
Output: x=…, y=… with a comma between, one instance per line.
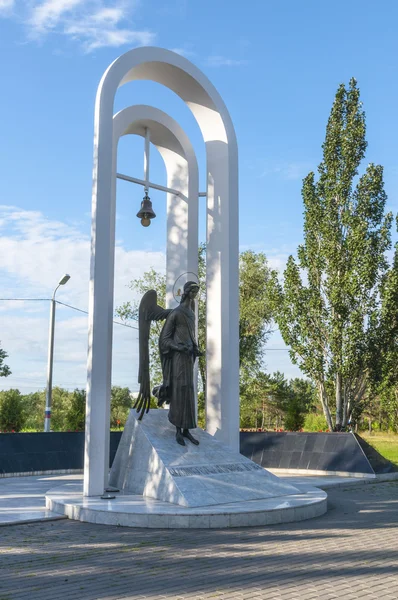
x=352, y=552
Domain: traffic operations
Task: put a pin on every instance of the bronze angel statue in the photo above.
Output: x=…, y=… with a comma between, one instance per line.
x=178, y=351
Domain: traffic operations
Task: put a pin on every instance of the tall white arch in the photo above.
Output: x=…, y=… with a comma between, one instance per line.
x=222, y=403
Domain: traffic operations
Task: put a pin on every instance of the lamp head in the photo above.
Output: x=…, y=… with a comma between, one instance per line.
x=64, y=279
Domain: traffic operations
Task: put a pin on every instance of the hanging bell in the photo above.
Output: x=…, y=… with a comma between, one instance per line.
x=146, y=212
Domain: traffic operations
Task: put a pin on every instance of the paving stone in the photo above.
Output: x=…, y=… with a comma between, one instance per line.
x=351, y=552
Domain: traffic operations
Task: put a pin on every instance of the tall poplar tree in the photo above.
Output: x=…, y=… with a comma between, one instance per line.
x=384, y=389
x=328, y=304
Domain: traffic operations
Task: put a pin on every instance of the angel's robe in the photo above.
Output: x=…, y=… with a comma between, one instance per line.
x=178, y=349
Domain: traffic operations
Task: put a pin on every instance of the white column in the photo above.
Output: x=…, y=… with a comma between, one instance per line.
x=182, y=226
x=222, y=403
x=100, y=320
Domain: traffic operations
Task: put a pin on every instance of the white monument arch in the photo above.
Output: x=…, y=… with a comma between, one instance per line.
x=164, y=484
x=188, y=82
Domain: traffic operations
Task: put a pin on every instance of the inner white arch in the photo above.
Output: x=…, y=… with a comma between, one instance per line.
x=182, y=175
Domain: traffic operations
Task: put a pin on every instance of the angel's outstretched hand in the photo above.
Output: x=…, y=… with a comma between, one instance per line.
x=142, y=404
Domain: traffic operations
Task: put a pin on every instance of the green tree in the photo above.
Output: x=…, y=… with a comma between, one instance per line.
x=304, y=391
x=151, y=280
x=384, y=391
x=263, y=399
x=12, y=415
x=60, y=407
x=4, y=369
x=295, y=416
x=76, y=413
x=34, y=405
x=255, y=316
x=120, y=405
x=202, y=307
x=330, y=317
x=255, y=313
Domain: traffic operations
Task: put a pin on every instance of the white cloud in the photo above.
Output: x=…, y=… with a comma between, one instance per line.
x=102, y=29
x=6, y=6
x=35, y=252
x=92, y=23
x=47, y=15
x=222, y=61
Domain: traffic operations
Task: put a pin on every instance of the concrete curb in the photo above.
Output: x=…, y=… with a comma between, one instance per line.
x=384, y=478
x=51, y=472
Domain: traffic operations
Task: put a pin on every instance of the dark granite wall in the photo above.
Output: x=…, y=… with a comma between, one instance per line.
x=312, y=451
x=26, y=452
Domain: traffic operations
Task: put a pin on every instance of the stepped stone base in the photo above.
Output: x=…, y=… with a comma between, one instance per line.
x=139, y=511
x=149, y=462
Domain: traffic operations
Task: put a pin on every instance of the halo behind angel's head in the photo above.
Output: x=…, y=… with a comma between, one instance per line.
x=190, y=285
x=178, y=287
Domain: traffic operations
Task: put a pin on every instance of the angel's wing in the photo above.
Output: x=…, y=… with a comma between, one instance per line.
x=148, y=311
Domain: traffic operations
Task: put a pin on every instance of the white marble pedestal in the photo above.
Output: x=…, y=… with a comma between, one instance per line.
x=165, y=485
x=149, y=462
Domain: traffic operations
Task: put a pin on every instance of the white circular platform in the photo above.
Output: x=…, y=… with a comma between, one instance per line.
x=139, y=511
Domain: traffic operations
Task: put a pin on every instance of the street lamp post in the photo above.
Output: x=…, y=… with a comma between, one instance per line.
x=47, y=414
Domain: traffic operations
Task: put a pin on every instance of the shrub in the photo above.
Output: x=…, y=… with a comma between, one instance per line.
x=76, y=414
x=34, y=406
x=12, y=415
x=60, y=407
x=315, y=422
x=120, y=405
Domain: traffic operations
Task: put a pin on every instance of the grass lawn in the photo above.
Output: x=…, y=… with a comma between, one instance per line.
x=385, y=443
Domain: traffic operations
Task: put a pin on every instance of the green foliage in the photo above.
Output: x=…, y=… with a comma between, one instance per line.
x=384, y=392
x=4, y=369
x=60, y=407
x=255, y=314
x=120, y=405
x=301, y=400
x=255, y=310
x=315, y=422
x=76, y=413
x=201, y=410
x=304, y=391
x=151, y=280
x=202, y=308
x=294, y=419
x=34, y=406
x=332, y=321
x=12, y=416
x=272, y=402
x=68, y=409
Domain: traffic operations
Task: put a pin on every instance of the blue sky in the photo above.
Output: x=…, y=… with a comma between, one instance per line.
x=277, y=66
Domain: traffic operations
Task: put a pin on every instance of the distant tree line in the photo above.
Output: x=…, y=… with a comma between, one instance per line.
x=26, y=411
